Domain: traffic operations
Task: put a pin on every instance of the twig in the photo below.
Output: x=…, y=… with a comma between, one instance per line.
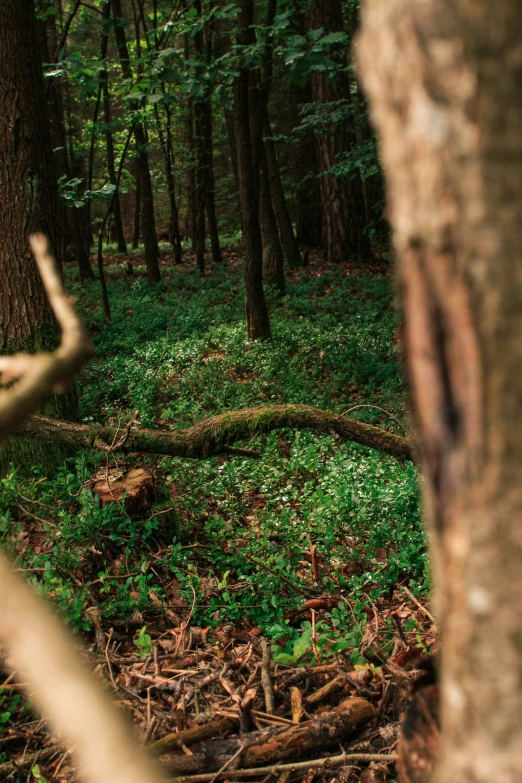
x=279, y=576
x=39, y=375
x=314, y=640
x=29, y=758
x=418, y=603
x=326, y=763
x=266, y=678
x=383, y=410
x=227, y=764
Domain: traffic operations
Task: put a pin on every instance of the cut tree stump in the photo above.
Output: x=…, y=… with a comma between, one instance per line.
x=136, y=484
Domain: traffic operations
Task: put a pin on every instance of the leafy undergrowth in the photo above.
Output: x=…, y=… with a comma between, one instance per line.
x=315, y=530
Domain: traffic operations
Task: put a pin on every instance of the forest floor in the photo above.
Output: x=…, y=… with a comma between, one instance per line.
x=310, y=558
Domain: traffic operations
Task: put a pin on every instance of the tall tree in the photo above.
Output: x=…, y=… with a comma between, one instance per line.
x=109, y=138
x=70, y=222
x=148, y=222
x=344, y=233
x=28, y=193
x=258, y=323
x=444, y=83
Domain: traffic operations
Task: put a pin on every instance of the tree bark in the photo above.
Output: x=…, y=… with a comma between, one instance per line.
x=284, y=221
x=215, y=435
x=444, y=85
x=273, y=257
x=29, y=203
x=28, y=190
x=148, y=222
x=258, y=323
x=344, y=235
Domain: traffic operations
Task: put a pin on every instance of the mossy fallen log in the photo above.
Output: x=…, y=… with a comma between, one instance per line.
x=217, y=434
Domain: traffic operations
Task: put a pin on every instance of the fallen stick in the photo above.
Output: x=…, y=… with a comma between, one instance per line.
x=278, y=743
x=29, y=758
x=215, y=728
x=326, y=763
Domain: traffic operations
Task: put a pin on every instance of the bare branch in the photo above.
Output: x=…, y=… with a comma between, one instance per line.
x=39, y=375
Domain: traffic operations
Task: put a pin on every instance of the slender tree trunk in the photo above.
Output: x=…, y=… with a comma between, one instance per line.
x=444, y=85
x=232, y=143
x=309, y=223
x=273, y=256
x=71, y=229
x=258, y=324
x=344, y=235
x=136, y=234
x=111, y=165
x=210, y=204
x=201, y=173
x=192, y=209
x=166, y=148
x=117, y=223
x=284, y=221
x=148, y=223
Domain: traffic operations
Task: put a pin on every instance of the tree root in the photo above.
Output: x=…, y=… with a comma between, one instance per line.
x=215, y=435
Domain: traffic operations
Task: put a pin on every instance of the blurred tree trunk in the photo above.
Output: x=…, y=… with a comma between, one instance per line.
x=258, y=324
x=29, y=202
x=136, y=233
x=148, y=222
x=344, y=235
x=444, y=84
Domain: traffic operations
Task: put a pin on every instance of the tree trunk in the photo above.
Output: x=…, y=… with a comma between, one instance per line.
x=148, y=222
x=273, y=257
x=29, y=202
x=166, y=148
x=210, y=203
x=309, y=224
x=70, y=224
x=136, y=233
x=258, y=324
x=344, y=234
x=444, y=85
x=284, y=221
x=109, y=140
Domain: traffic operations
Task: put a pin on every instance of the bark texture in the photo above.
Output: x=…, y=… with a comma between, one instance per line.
x=213, y=436
x=28, y=190
x=444, y=84
x=258, y=324
x=342, y=198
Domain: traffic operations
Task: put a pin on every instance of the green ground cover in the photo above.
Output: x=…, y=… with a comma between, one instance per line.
x=231, y=536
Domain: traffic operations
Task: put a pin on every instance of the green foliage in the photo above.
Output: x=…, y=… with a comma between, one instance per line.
x=236, y=532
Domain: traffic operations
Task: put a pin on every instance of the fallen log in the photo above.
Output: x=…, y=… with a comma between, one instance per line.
x=215, y=435
x=279, y=743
